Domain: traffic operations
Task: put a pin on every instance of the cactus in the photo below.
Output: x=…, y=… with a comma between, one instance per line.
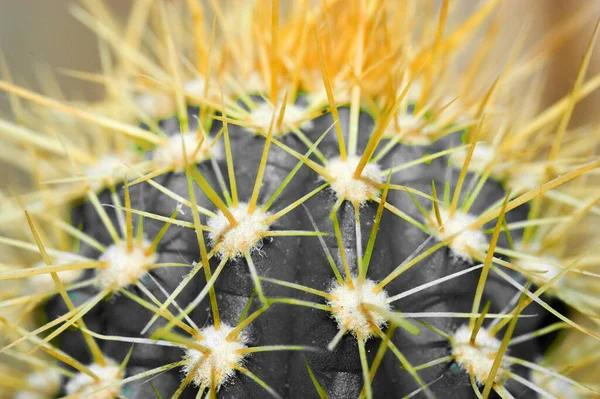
x=296, y=218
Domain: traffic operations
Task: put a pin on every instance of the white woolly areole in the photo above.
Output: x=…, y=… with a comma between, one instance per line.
x=197, y=88
x=561, y=389
x=171, y=155
x=414, y=91
x=465, y=239
x=108, y=169
x=477, y=358
x=456, y=109
x=244, y=237
x=412, y=130
x=41, y=385
x=223, y=354
x=124, y=267
x=357, y=191
x=541, y=269
x=483, y=154
x=82, y=385
x=43, y=282
x=524, y=180
x=348, y=310
x=253, y=83
x=319, y=96
x=157, y=105
x=261, y=115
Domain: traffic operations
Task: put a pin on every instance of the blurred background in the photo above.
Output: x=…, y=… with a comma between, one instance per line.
x=36, y=33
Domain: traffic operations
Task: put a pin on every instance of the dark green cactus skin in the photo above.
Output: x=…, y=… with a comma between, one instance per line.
x=301, y=260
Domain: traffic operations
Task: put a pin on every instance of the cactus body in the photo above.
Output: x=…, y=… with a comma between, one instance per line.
x=302, y=260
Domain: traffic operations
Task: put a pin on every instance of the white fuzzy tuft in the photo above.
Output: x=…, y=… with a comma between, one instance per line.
x=197, y=88
x=244, y=237
x=318, y=96
x=411, y=129
x=171, y=155
x=82, y=385
x=156, y=106
x=524, y=180
x=348, y=310
x=43, y=282
x=483, y=154
x=108, y=169
x=124, y=268
x=455, y=110
x=357, y=191
x=465, y=239
x=295, y=117
x=477, y=358
x=41, y=385
x=541, y=269
x=223, y=354
x=253, y=83
x=561, y=389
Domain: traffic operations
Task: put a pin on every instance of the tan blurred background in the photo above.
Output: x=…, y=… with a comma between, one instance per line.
x=39, y=32
x=566, y=62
